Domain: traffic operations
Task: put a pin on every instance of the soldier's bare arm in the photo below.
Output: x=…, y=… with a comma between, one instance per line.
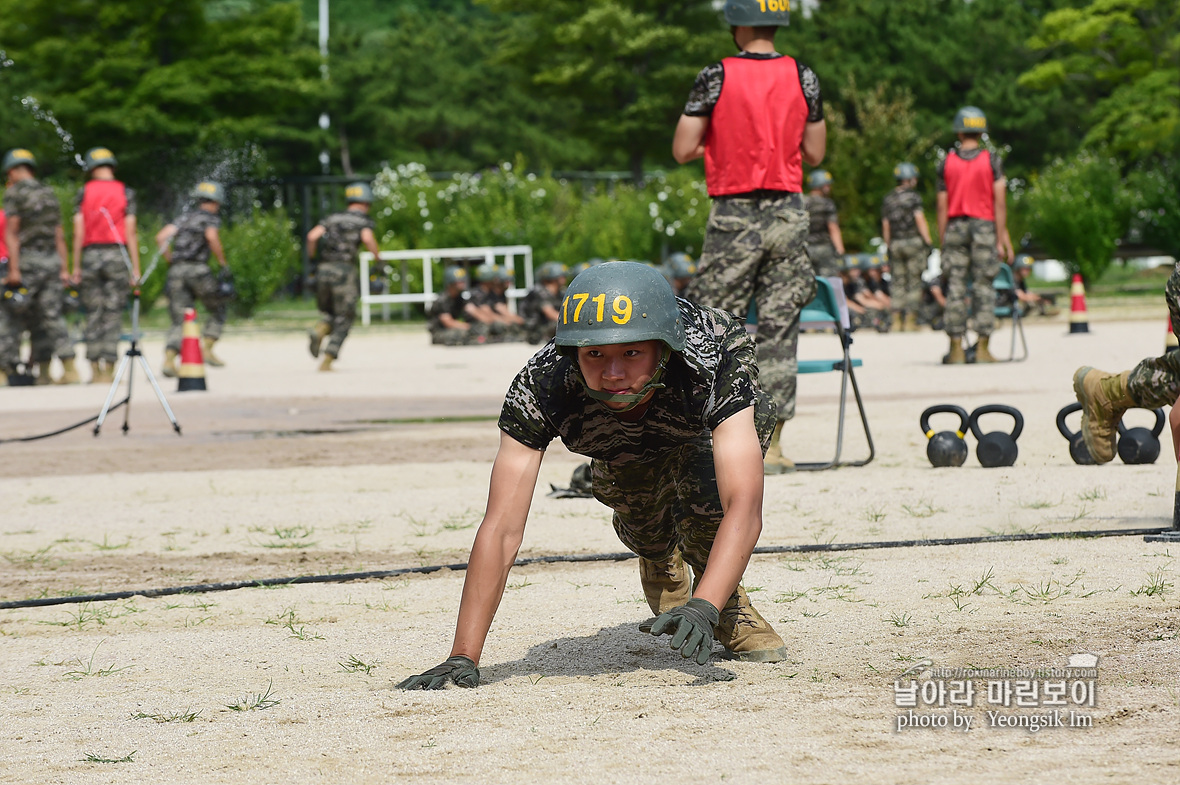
x=550, y=312
x=451, y=323
x=815, y=143
x=59, y=240
x=737, y=457
x=688, y=143
x=370, y=241
x=942, y=216
x=837, y=237
x=1003, y=241
x=313, y=237
x=214, y=240
x=514, y=477
x=885, y=231
x=79, y=231
x=12, y=240
x=164, y=240
x=923, y=227
x=131, y=230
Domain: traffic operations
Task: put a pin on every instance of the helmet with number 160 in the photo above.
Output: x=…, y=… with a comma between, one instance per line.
x=619, y=302
x=758, y=13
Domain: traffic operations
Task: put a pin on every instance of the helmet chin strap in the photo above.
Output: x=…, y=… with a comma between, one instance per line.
x=633, y=399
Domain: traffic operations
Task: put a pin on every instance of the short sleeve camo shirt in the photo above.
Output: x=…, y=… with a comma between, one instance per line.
x=40, y=214
x=714, y=378
x=821, y=211
x=898, y=209
x=342, y=236
x=189, y=244
x=444, y=303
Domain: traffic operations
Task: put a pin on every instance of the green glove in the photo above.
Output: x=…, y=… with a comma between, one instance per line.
x=691, y=626
x=458, y=669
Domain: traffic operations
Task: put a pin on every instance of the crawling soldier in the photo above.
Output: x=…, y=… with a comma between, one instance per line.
x=663, y=395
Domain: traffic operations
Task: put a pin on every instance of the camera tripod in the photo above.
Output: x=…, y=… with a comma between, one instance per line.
x=127, y=365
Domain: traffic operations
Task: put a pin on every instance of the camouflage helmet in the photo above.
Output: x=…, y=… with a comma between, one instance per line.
x=594, y=260
x=1022, y=261
x=16, y=298
x=454, y=274
x=486, y=273
x=98, y=156
x=619, y=302
x=18, y=157
x=905, y=171
x=358, y=193
x=578, y=269
x=757, y=13
x=970, y=120
x=209, y=191
x=503, y=276
x=71, y=301
x=550, y=271
x=819, y=178
x=851, y=261
x=869, y=261
x=681, y=265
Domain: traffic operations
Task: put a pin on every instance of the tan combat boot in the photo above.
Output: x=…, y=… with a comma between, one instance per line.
x=41, y=371
x=911, y=322
x=211, y=359
x=982, y=355
x=956, y=356
x=775, y=462
x=98, y=373
x=317, y=335
x=3, y=379
x=666, y=584
x=69, y=373
x=169, y=367
x=745, y=634
x=1104, y=398
x=895, y=324
x=326, y=363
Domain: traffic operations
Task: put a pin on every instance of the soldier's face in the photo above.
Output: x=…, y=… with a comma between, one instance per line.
x=620, y=368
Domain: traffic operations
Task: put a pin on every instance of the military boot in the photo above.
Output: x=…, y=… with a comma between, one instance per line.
x=1104, y=398
x=317, y=335
x=982, y=355
x=775, y=462
x=745, y=634
x=169, y=366
x=41, y=372
x=95, y=372
x=69, y=373
x=956, y=356
x=211, y=359
x=326, y=363
x=666, y=584
x=911, y=322
x=895, y=323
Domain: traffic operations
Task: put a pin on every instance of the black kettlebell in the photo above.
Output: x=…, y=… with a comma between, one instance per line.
x=945, y=448
x=1077, y=445
x=1139, y=445
x=996, y=448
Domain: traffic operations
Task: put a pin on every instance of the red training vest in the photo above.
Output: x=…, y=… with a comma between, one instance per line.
x=969, y=186
x=3, y=227
x=756, y=128
x=111, y=195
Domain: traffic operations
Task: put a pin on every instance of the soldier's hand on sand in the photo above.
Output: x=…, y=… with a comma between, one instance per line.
x=691, y=627
x=459, y=670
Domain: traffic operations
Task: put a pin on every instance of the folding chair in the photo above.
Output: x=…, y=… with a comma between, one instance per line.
x=830, y=311
x=1008, y=306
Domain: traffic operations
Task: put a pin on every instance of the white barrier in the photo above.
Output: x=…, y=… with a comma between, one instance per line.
x=431, y=255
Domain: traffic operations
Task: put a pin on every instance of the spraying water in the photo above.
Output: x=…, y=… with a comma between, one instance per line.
x=41, y=114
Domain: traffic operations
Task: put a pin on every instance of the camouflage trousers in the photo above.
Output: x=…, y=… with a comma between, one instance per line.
x=1155, y=382
x=754, y=250
x=872, y=318
x=189, y=283
x=337, y=291
x=105, y=285
x=670, y=500
x=824, y=259
x=969, y=256
x=457, y=336
x=907, y=262
x=41, y=274
x=10, y=330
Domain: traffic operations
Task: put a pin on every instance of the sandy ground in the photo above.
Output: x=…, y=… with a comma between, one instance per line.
x=384, y=464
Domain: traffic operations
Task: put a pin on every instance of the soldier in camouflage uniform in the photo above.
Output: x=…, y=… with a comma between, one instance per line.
x=539, y=306
x=973, y=228
x=1153, y=383
x=104, y=243
x=452, y=319
x=663, y=396
x=680, y=269
x=906, y=235
x=193, y=237
x=825, y=243
x=756, y=119
x=491, y=305
x=9, y=322
x=37, y=259
x=338, y=239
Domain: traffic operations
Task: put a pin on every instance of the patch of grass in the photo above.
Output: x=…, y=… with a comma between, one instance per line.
x=41, y=500
x=88, y=669
x=298, y=629
x=107, y=545
x=297, y=536
x=355, y=665
x=900, y=619
x=520, y=585
x=89, y=613
x=984, y=581
x=874, y=514
x=790, y=596
x=1039, y=504
x=921, y=509
x=173, y=716
x=1097, y=493
x=39, y=557
x=95, y=758
x=256, y=701
x=1157, y=585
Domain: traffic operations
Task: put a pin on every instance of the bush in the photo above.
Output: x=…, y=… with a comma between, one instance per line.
x=264, y=256
x=1156, y=190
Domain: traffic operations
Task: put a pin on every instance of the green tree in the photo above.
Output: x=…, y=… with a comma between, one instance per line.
x=1125, y=54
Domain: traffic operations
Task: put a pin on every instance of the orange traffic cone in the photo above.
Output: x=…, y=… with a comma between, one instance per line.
x=1170, y=342
x=1079, y=322
x=192, y=365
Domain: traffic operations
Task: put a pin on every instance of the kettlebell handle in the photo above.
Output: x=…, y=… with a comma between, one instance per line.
x=1156, y=430
x=1061, y=415
x=944, y=408
x=996, y=408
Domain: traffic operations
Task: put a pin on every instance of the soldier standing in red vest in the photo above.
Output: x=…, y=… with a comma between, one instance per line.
x=973, y=227
x=104, y=243
x=756, y=118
